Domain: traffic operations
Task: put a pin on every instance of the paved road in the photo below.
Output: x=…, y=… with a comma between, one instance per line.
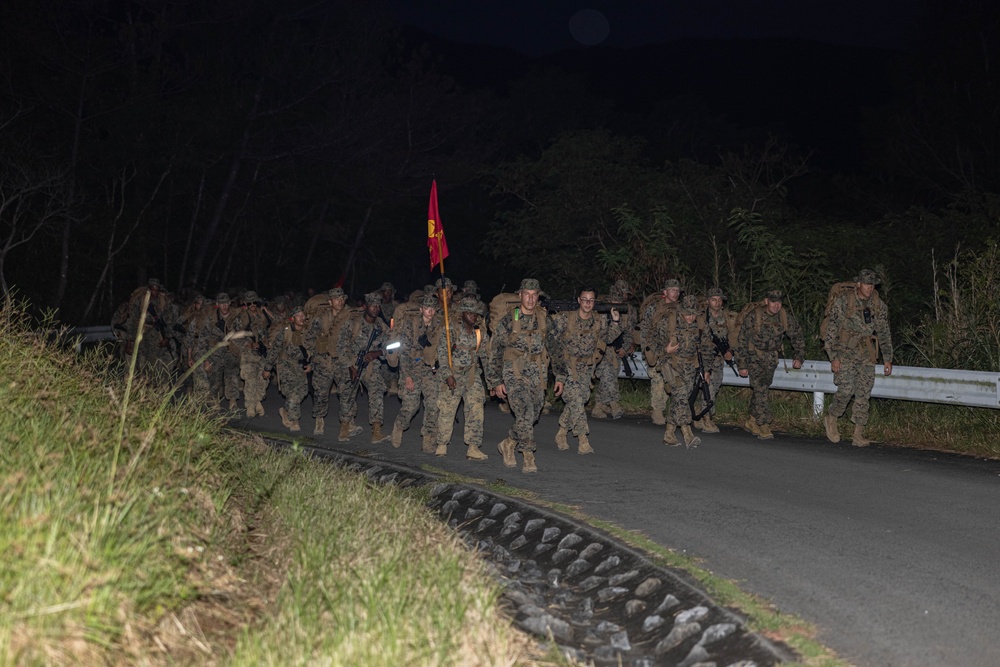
x=893, y=554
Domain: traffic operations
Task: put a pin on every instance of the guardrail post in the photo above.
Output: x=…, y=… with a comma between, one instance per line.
x=818, y=404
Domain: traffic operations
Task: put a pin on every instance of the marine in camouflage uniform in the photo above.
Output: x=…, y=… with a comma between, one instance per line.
x=858, y=327
x=581, y=337
x=761, y=336
x=418, y=337
x=156, y=355
x=607, y=394
x=720, y=322
x=322, y=333
x=286, y=351
x=518, y=371
x=680, y=336
x=361, y=328
x=659, y=380
x=252, y=349
x=222, y=368
x=463, y=380
x=388, y=304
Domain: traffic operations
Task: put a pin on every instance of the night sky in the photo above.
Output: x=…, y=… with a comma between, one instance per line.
x=536, y=27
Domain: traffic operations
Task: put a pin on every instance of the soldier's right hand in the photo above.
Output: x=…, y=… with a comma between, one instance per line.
x=354, y=374
x=744, y=372
x=450, y=381
x=835, y=365
x=501, y=391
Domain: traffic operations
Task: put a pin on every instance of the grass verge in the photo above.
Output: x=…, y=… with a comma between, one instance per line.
x=137, y=530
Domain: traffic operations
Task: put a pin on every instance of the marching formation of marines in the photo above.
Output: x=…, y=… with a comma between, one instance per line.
x=232, y=349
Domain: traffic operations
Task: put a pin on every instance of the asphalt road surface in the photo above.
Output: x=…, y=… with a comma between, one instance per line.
x=893, y=554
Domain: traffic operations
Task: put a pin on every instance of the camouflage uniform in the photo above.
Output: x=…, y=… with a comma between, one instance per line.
x=607, y=394
x=417, y=362
x=157, y=348
x=286, y=351
x=757, y=351
x=851, y=340
x=519, y=359
x=659, y=380
x=353, y=339
x=222, y=375
x=252, y=350
x=580, y=343
x=322, y=334
x=468, y=351
x=721, y=323
x=683, y=363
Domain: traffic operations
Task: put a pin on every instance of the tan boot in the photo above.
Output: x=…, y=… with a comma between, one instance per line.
x=832, y=432
x=859, y=439
x=473, y=453
x=293, y=425
x=529, y=462
x=697, y=424
x=616, y=411
x=345, y=432
x=658, y=417
x=670, y=435
x=506, y=449
x=285, y=421
x=354, y=429
x=260, y=409
x=561, y=442
x=441, y=450
x=599, y=412
x=751, y=425
x=377, y=436
x=690, y=439
x=427, y=445
x=504, y=407
x=251, y=410
x=764, y=432
x=320, y=426
x=397, y=434
x=584, y=445
x=707, y=425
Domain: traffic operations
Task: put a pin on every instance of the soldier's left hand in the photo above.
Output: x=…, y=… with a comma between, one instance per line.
x=410, y=384
x=559, y=388
x=888, y=368
x=615, y=316
x=796, y=363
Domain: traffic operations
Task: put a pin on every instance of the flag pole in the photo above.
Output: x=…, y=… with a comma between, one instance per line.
x=444, y=300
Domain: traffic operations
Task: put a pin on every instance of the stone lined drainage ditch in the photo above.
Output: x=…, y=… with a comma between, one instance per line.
x=599, y=601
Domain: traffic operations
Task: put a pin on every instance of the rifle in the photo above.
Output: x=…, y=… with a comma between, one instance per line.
x=700, y=386
x=721, y=347
x=361, y=362
x=304, y=362
x=161, y=328
x=617, y=344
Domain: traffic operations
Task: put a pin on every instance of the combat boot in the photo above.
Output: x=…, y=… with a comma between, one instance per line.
x=260, y=408
x=599, y=412
x=529, y=462
x=616, y=411
x=251, y=410
x=345, y=432
x=751, y=425
x=690, y=439
x=377, y=436
x=832, y=432
x=293, y=425
x=583, y=447
x=658, y=417
x=707, y=425
x=320, y=426
x=764, y=432
x=285, y=421
x=354, y=429
x=473, y=453
x=561, y=442
x=504, y=407
x=506, y=449
x=441, y=450
x=670, y=435
x=859, y=439
x=427, y=445
x=397, y=433
x=697, y=424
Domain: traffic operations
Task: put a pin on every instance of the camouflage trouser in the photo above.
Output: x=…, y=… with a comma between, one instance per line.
x=424, y=382
x=576, y=393
x=224, y=375
x=606, y=373
x=716, y=365
x=347, y=394
x=153, y=360
x=682, y=382
x=254, y=384
x=374, y=383
x=199, y=382
x=526, y=397
x=324, y=374
x=761, y=369
x=856, y=378
x=294, y=386
x=658, y=388
x=447, y=402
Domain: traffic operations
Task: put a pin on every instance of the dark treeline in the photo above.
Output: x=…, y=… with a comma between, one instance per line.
x=277, y=146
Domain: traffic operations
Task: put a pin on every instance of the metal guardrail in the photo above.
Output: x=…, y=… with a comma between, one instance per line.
x=979, y=389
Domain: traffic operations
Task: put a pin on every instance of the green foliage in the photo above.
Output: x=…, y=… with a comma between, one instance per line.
x=643, y=251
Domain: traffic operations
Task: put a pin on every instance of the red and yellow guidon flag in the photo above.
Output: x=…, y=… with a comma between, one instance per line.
x=436, y=242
